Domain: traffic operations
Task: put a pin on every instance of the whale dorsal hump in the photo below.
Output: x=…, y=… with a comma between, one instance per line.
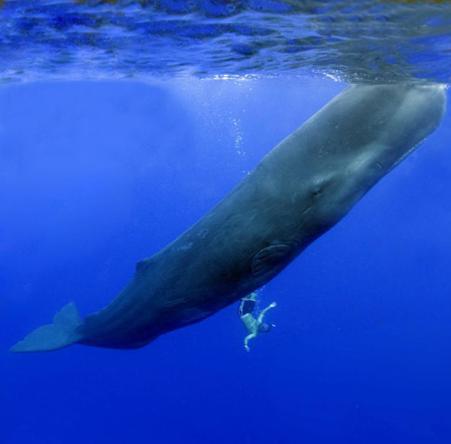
x=142, y=266
x=269, y=260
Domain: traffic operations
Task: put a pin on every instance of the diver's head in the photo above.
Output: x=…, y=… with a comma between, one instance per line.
x=265, y=328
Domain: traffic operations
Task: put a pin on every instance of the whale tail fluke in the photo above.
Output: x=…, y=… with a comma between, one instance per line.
x=61, y=333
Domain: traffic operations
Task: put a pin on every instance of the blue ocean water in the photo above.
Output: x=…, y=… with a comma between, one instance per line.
x=96, y=175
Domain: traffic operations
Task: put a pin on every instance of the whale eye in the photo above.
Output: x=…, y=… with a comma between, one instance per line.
x=317, y=190
x=320, y=185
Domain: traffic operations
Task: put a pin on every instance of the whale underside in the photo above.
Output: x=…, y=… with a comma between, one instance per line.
x=303, y=187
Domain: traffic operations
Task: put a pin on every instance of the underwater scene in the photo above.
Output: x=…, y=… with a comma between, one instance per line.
x=225, y=221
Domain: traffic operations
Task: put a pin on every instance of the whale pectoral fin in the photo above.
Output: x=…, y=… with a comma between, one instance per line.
x=269, y=260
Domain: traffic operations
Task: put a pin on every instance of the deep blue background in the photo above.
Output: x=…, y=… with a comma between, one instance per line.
x=95, y=176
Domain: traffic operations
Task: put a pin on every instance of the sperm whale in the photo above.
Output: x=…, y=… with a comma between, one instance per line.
x=301, y=188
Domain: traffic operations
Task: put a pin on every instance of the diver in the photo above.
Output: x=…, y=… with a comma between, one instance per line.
x=254, y=325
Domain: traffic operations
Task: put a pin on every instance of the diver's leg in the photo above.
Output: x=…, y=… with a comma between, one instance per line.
x=264, y=311
x=247, y=339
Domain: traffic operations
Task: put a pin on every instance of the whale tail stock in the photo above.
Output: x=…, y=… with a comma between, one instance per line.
x=59, y=334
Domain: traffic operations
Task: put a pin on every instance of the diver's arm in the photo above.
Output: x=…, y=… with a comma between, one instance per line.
x=248, y=303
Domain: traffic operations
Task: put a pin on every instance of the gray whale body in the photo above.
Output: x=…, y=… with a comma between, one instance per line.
x=303, y=187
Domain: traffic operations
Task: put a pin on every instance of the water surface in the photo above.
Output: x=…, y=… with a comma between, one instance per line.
x=360, y=41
